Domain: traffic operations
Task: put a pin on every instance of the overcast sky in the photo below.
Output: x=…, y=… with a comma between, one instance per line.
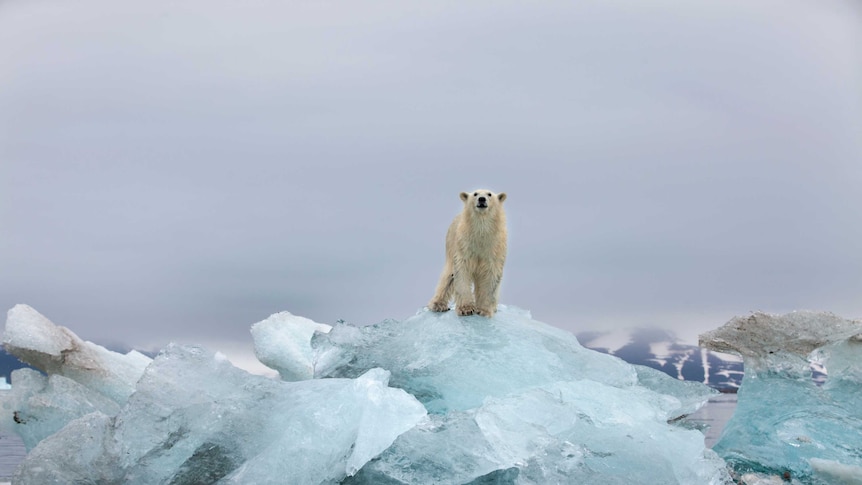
x=176, y=171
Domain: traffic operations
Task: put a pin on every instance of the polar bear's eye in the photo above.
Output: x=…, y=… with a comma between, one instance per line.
x=489, y=194
x=475, y=194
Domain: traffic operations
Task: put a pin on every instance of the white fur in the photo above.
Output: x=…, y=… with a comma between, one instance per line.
x=475, y=255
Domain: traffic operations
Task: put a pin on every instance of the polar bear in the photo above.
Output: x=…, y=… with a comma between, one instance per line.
x=475, y=254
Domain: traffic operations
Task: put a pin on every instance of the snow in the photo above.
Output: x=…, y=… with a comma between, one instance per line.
x=663, y=352
x=785, y=421
x=436, y=398
x=704, y=357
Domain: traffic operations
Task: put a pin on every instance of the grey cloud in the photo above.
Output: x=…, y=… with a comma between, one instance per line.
x=178, y=170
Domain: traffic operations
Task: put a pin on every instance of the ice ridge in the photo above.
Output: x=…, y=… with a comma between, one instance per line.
x=436, y=398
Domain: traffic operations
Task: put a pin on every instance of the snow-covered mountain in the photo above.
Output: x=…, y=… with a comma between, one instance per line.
x=661, y=350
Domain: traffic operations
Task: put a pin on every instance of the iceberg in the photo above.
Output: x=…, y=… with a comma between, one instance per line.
x=435, y=398
x=192, y=418
x=513, y=400
x=787, y=423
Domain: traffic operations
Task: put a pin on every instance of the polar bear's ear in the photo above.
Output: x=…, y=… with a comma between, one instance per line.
x=501, y=196
x=465, y=196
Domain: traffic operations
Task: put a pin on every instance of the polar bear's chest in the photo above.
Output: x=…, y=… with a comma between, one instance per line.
x=479, y=243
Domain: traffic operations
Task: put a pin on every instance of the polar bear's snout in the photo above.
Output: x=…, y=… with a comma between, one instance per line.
x=482, y=203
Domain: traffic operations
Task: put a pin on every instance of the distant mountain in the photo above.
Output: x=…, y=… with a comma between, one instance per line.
x=661, y=350
x=8, y=363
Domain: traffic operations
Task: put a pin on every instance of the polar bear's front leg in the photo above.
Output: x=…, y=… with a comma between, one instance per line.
x=440, y=302
x=495, y=292
x=486, y=304
x=463, y=290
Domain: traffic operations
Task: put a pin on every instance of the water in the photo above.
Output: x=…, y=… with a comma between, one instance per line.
x=12, y=451
x=715, y=414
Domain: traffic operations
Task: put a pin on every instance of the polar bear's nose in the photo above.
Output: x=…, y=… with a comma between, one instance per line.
x=482, y=200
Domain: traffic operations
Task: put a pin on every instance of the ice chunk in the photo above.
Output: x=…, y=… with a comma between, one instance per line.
x=72, y=455
x=834, y=472
x=39, y=406
x=56, y=350
x=453, y=363
x=197, y=419
x=518, y=401
x=780, y=343
x=565, y=432
x=684, y=397
x=785, y=423
x=514, y=401
x=283, y=342
x=359, y=421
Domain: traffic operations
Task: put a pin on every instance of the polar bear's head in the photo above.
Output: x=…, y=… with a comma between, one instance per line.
x=483, y=200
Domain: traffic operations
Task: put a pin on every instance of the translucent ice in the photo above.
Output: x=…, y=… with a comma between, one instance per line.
x=514, y=400
x=283, y=342
x=454, y=363
x=39, y=406
x=786, y=423
x=35, y=340
x=565, y=432
x=197, y=419
x=511, y=401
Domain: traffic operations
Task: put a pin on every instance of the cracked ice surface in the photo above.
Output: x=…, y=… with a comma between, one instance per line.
x=784, y=421
x=433, y=399
x=194, y=419
x=513, y=400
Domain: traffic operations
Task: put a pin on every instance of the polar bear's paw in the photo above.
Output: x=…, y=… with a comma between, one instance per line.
x=439, y=306
x=467, y=309
x=485, y=312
